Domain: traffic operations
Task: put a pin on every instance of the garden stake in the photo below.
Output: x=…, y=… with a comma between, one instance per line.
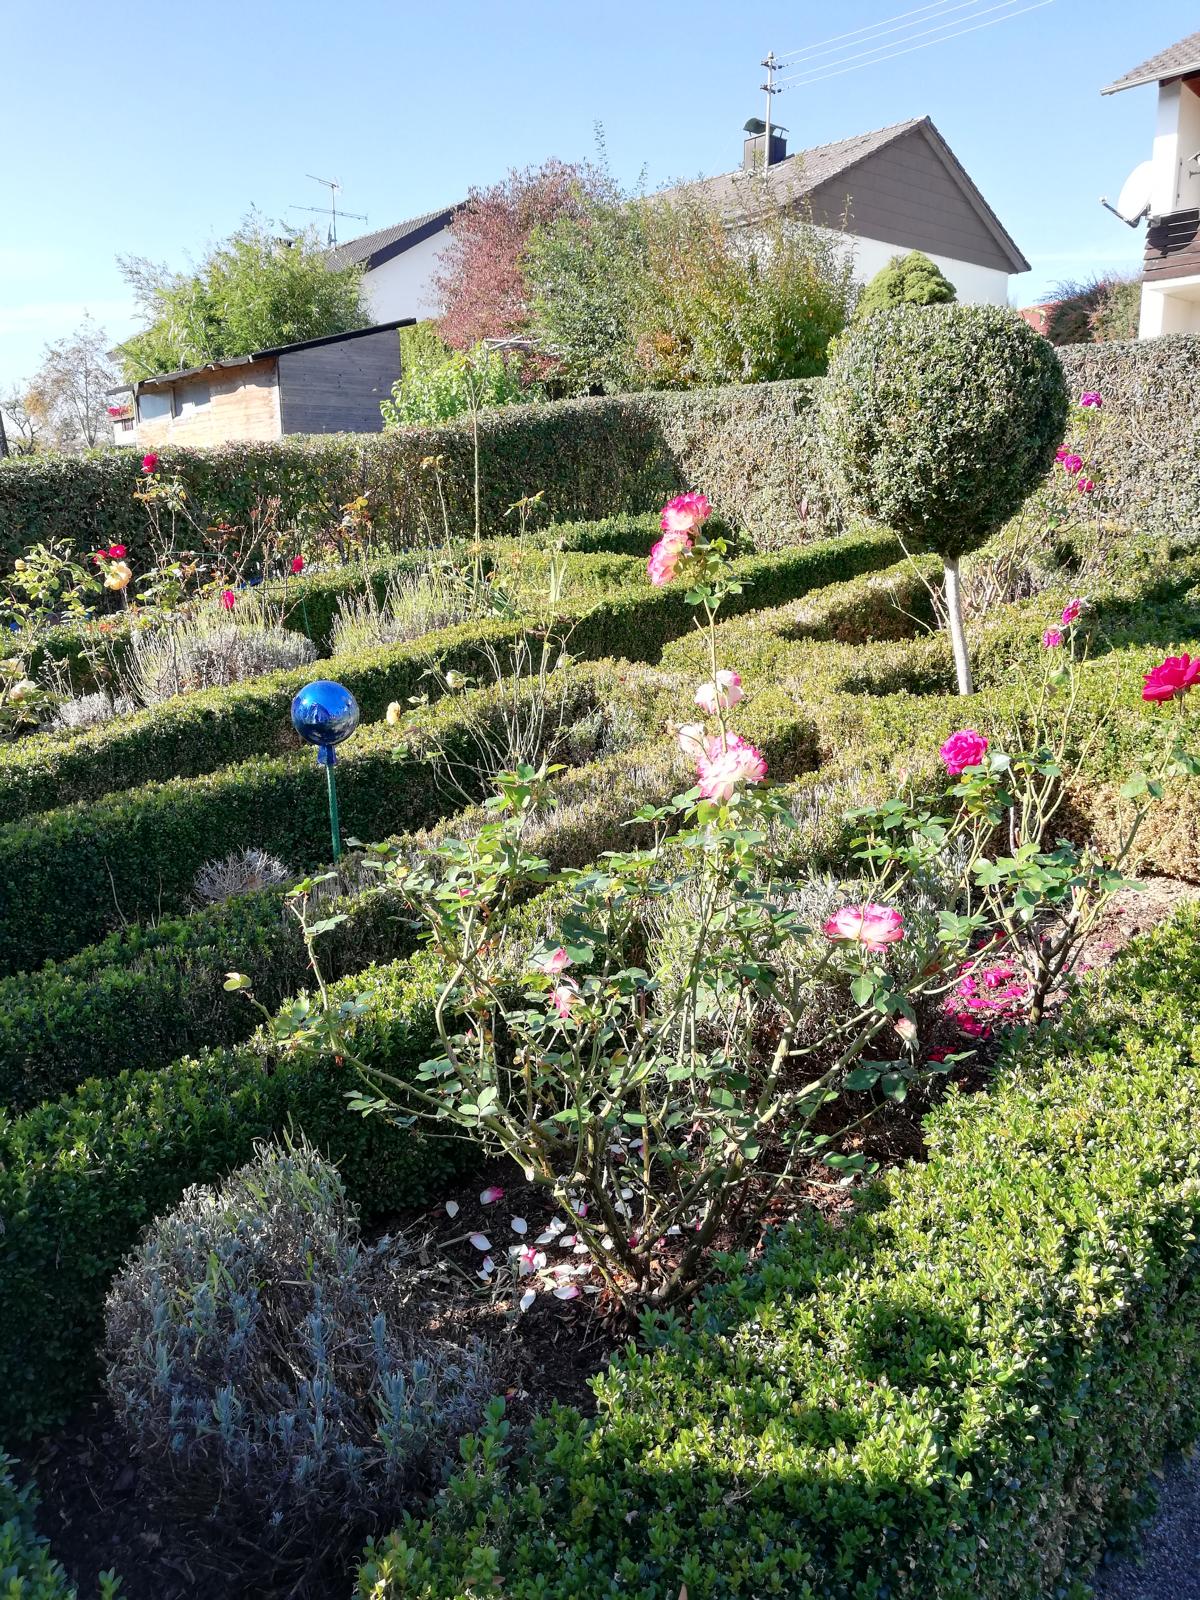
x=326, y=714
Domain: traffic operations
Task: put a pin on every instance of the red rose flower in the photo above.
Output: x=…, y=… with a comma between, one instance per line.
x=297, y=566
x=1172, y=679
x=149, y=462
x=116, y=552
x=228, y=599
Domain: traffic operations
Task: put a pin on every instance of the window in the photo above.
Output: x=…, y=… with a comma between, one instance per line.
x=190, y=397
x=156, y=403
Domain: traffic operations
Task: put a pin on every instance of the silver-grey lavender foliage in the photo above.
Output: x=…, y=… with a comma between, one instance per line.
x=259, y=1361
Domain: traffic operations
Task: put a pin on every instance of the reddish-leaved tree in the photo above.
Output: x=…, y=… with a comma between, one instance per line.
x=480, y=281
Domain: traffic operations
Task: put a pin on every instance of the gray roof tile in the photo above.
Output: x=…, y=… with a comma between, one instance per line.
x=387, y=242
x=1173, y=62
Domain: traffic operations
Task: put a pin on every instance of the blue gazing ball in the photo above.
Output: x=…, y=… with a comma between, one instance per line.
x=324, y=714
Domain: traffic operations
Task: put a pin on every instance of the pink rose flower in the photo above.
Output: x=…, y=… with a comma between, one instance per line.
x=1072, y=612
x=1061, y=453
x=665, y=557
x=1084, y=485
x=557, y=961
x=228, y=599
x=1090, y=398
x=692, y=740
x=685, y=512
x=149, y=462
x=116, y=552
x=726, y=765
x=963, y=749
x=562, y=997
x=874, y=927
x=297, y=566
x=1072, y=464
x=721, y=695
x=1052, y=638
x=1171, y=679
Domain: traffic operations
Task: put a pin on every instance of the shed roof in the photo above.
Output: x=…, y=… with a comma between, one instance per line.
x=373, y=249
x=262, y=355
x=800, y=175
x=1172, y=62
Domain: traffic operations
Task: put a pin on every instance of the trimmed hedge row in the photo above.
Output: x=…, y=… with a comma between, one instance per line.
x=751, y=447
x=66, y=876
x=955, y=1392
x=196, y=733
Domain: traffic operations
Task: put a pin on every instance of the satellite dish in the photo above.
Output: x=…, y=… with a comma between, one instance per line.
x=1133, y=203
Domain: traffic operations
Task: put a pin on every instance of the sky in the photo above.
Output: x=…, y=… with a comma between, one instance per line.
x=151, y=130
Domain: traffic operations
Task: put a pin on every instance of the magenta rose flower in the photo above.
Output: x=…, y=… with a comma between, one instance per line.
x=1091, y=399
x=149, y=462
x=1171, y=679
x=228, y=599
x=963, y=749
x=685, y=513
x=727, y=764
x=720, y=695
x=1072, y=612
x=665, y=557
x=1052, y=638
x=1072, y=464
x=1084, y=485
x=872, y=926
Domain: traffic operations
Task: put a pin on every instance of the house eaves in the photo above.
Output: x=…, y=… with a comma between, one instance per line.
x=1174, y=62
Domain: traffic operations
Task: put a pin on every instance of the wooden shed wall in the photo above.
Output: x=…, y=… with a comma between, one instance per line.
x=338, y=387
x=243, y=404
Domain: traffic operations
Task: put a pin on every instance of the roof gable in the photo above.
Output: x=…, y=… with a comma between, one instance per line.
x=373, y=249
x=1173, y=62
x=901, y=184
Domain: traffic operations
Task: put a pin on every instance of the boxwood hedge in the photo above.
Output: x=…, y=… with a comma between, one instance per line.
x=28, y=1570
x=197, y=733
x=955, y=1391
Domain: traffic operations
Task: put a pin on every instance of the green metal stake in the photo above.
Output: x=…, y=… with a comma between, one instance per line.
x=334, y=826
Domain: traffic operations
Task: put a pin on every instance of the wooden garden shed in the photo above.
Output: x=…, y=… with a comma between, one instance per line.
x=329, y=385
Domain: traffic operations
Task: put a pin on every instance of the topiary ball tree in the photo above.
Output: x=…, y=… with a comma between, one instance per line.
x=911, y=280
x=939, y=422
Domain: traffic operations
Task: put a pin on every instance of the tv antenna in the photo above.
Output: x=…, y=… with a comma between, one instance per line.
x=331, y=210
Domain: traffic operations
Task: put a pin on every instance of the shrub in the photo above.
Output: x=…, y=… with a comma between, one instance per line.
x=430, y=391
x=244, y=871
x=939, y=422
x=260, y=1366
x=954, y=1391
x=80, y=1177
x=187, y=655
x=911, y=280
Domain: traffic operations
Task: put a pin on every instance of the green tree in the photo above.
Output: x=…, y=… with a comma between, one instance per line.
x=939, y=422
x=911, y=280
x=1094, y=310
x=253, y=290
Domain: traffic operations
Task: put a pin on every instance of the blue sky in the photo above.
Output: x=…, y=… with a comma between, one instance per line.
x=149, y=129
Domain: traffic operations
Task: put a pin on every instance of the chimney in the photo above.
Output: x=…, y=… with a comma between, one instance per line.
x=755, y=143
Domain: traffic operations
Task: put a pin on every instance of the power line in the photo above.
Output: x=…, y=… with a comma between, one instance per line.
x=806, y=75
x=869, y=28
x=837, y=70
x=878, y=29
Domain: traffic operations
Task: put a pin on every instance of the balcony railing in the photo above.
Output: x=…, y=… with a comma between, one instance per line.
x=1173, y=246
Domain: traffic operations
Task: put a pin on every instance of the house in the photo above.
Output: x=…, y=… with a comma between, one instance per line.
x=1166, y=189
x=887, y=192
x=329, y=385
x=400, y=263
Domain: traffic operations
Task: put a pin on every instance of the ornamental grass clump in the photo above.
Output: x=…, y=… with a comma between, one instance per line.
x=940, y=421
x=193, y=653
x=259, y=1363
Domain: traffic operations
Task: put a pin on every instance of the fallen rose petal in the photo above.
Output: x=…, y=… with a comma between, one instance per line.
x=567, y=1291
x=481, y=1241
x=451, y=1208
x=488, y=1197
x=527, y=1299
x=519, y=1225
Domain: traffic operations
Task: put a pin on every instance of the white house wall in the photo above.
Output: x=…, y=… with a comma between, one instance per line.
x=978, y=286
x=402, y=287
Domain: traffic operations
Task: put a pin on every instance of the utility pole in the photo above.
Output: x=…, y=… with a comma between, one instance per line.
x=770, y=89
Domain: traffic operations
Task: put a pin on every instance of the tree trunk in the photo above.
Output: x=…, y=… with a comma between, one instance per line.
x=958, y=639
